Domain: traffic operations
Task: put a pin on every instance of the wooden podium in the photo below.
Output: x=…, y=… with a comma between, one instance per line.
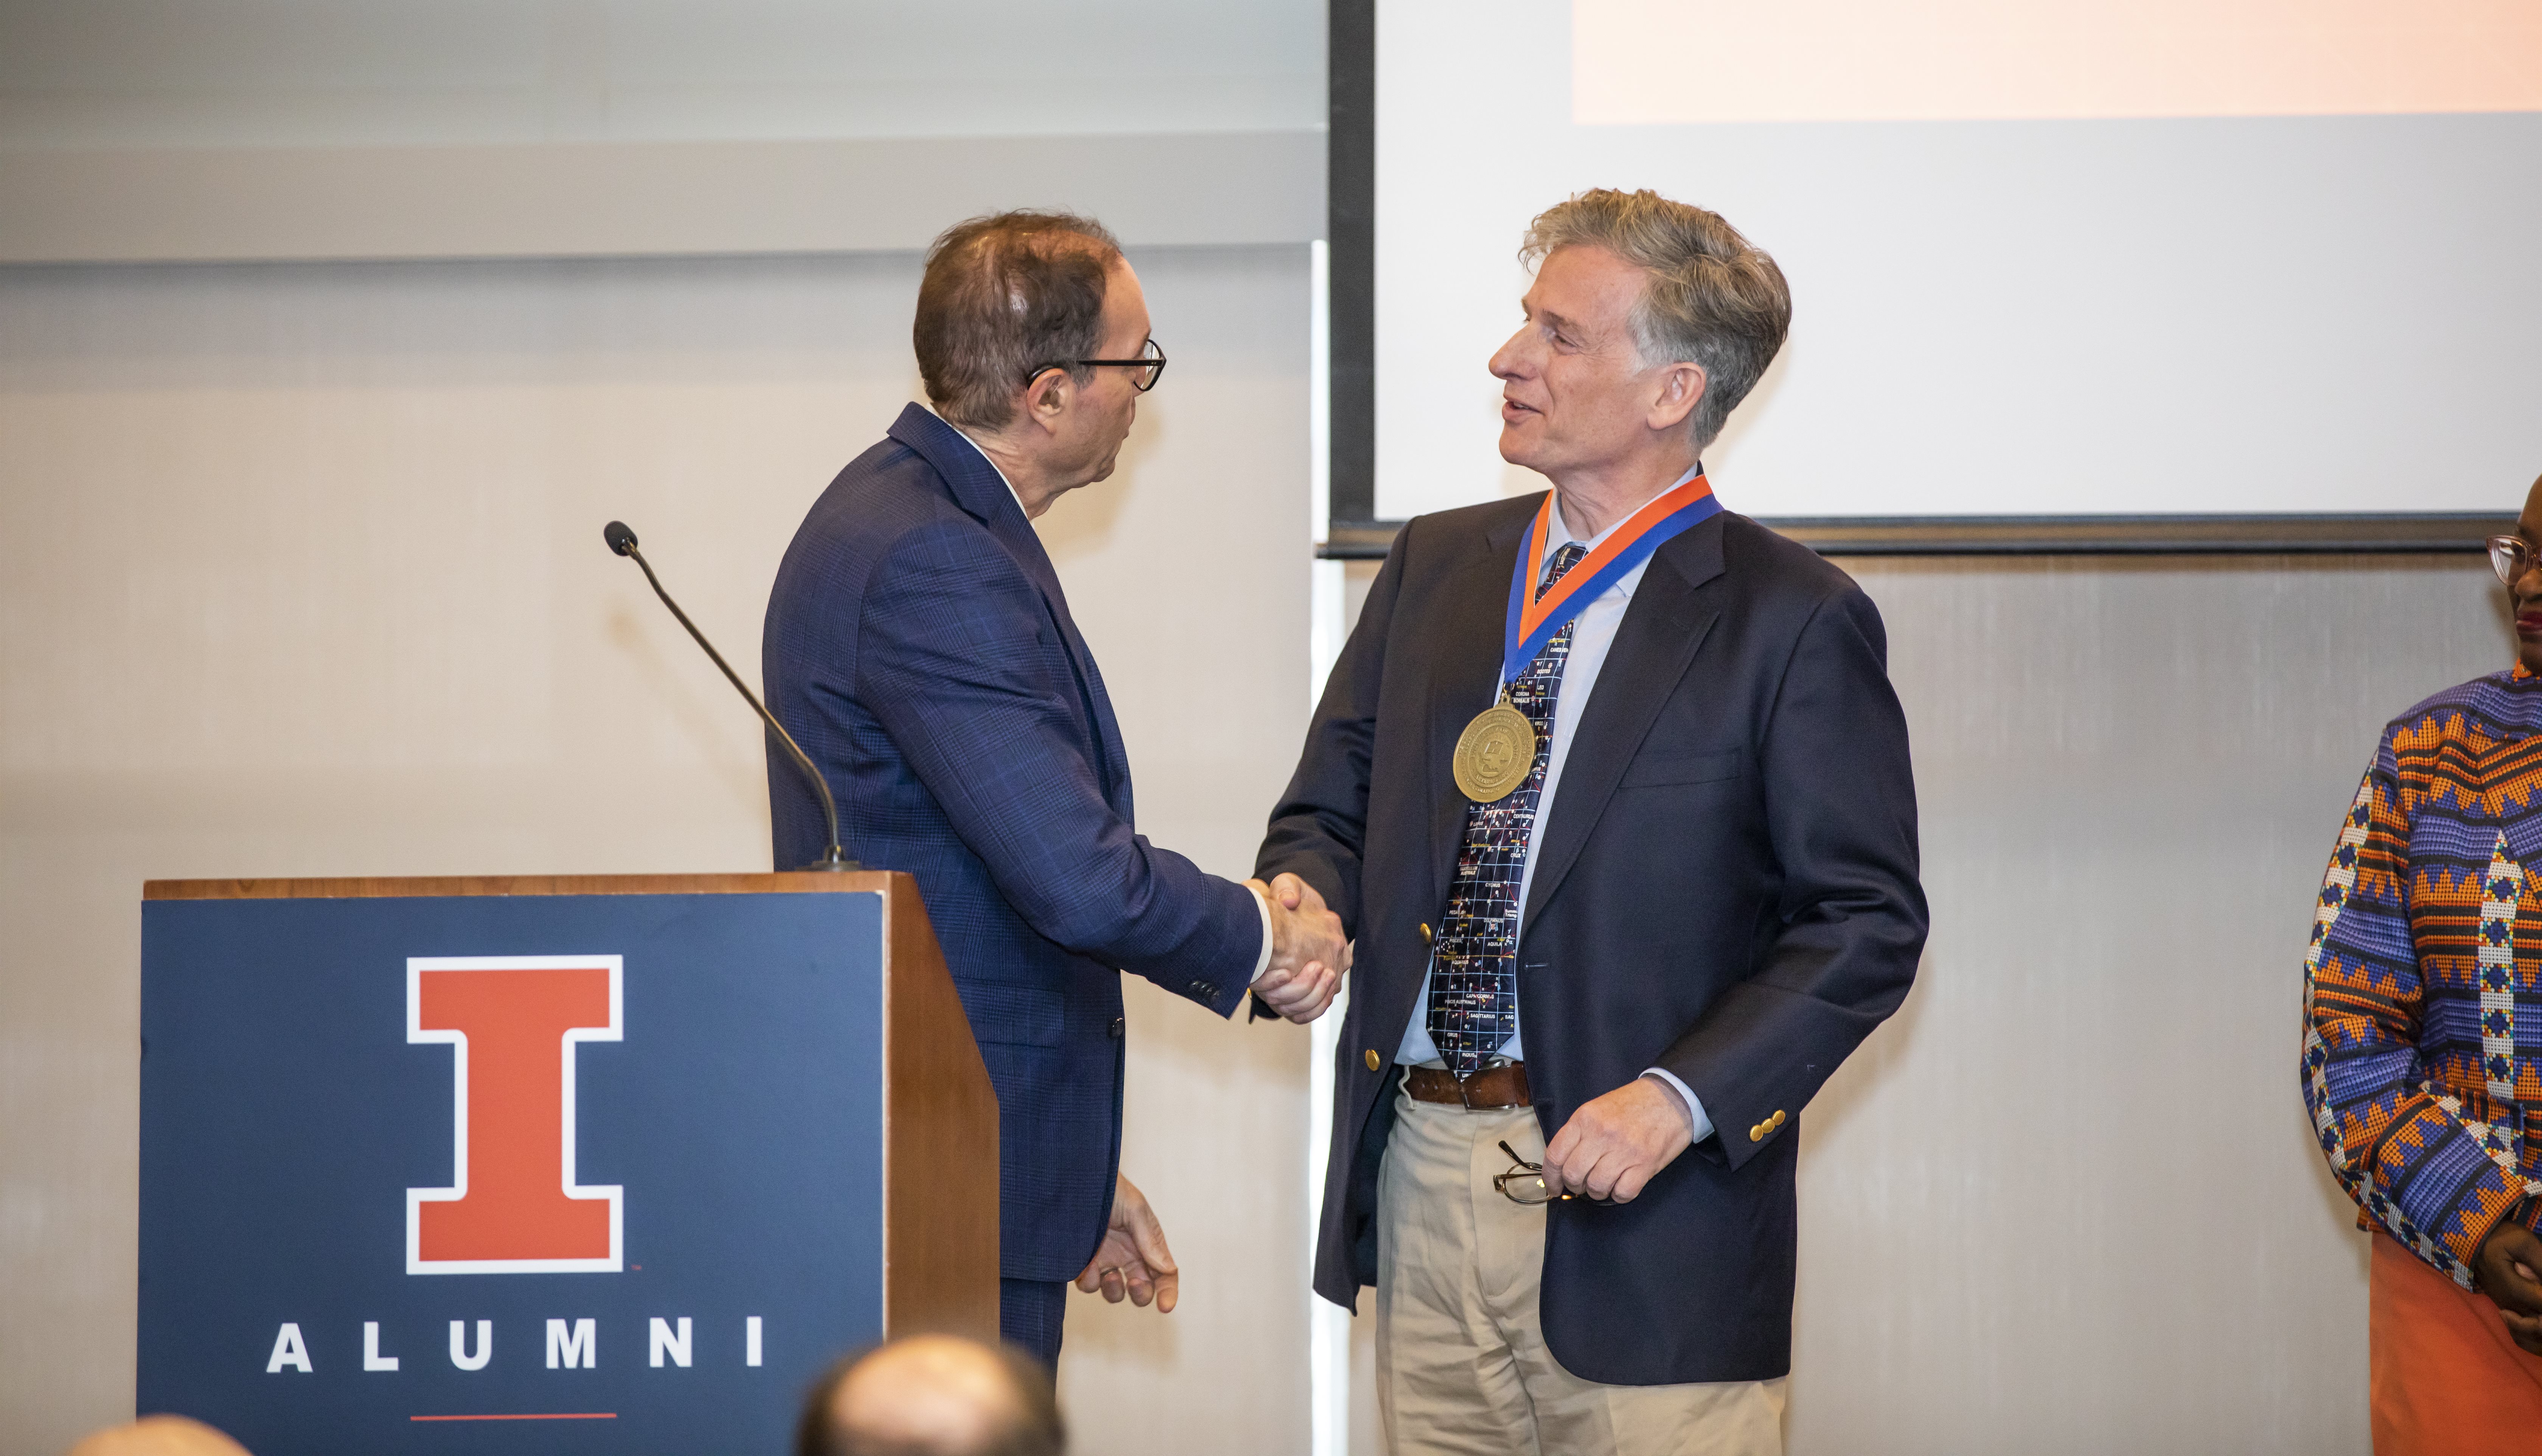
x=610, y=1163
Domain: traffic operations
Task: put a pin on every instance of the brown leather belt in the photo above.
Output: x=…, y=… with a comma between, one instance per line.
x=1502, y=1085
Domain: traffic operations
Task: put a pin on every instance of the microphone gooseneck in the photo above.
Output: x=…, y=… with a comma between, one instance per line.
x=623, y=541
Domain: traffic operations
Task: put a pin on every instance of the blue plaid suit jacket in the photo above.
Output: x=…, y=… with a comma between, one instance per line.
x=920, y=649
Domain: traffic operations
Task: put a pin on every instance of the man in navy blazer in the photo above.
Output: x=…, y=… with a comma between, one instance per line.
x=1634, y=957
x=918, y=647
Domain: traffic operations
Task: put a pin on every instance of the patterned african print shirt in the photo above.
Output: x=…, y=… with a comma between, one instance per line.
x=2422, y=991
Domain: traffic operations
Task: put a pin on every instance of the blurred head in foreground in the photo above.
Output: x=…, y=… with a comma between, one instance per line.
x=159, y=1436
x=933, y=1395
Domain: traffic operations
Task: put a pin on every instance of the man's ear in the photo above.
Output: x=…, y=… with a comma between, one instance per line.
x=1048, y=397
x=1681, y=388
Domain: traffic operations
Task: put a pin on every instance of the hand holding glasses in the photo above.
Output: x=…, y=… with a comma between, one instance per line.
x=1524, y=1184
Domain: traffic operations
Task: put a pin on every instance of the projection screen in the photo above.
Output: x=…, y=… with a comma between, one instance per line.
x=2086, y=258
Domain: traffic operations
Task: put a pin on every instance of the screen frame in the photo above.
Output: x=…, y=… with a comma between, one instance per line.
x=1356, y=533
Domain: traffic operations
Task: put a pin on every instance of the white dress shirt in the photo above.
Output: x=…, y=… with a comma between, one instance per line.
x=1261, y=902
x=1593, y=633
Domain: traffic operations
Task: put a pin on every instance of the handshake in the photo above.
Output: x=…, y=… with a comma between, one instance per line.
x=1308, y=955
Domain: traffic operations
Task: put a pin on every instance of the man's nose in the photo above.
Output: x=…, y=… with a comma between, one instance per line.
x=1509, y=360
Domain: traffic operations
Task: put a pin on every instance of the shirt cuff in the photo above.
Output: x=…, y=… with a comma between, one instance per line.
x=1262, y=963
x=1694, y=1104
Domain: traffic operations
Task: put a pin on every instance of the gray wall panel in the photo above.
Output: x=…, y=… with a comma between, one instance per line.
x=197, y=204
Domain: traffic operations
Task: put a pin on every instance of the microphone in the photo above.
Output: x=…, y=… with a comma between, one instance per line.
x=623, y=541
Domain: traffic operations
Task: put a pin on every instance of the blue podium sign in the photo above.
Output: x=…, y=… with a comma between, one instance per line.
x=513, y=1172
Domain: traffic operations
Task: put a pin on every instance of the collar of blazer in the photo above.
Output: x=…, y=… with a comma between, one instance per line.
x=977, y=487
x=1655, y=646
x=983, y=494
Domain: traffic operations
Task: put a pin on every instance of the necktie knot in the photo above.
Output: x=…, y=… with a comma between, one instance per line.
x=1565, y=556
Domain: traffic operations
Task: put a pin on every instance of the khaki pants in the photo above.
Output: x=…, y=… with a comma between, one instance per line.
x=1461, y=1365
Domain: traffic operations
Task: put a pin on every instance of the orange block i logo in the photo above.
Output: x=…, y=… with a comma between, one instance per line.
x=513, y=1206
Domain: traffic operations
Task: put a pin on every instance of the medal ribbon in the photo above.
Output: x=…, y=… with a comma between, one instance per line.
x=1533, y=623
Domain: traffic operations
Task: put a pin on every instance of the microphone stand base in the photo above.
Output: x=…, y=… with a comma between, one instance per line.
x=833, y=862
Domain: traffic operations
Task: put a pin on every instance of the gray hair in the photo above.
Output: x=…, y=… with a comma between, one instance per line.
x=1713, y=299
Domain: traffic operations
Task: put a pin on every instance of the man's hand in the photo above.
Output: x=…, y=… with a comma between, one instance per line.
x=2505, y=1270
x=1614, y=1145
x=1308, y=955
x=1133, y=1259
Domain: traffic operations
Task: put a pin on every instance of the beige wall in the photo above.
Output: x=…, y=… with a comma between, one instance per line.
x=301, y=573
x=2068, y=1199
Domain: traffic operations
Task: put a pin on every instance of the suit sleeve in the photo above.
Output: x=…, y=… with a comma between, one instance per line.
x=953, y=647
x=1320, y=823
x=2419, y=1168
x=1838, y=958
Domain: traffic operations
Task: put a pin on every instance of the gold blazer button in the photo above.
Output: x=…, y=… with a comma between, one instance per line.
x=1372, y=1062
x=1757, y=1134
x=1425, y=932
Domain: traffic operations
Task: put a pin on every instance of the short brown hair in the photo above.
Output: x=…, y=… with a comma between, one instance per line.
x=1003, y=296
x=1713, y=297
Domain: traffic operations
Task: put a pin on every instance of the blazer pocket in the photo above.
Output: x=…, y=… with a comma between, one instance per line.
x=1016, y=1015
x=1648, y=771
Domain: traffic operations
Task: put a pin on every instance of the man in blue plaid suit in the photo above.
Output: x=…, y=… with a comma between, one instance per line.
x=920, y=649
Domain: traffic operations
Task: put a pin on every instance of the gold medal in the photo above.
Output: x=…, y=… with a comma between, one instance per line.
x=1494, y=753
x=1498, y=749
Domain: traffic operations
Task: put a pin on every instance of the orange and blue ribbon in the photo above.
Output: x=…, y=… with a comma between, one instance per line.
x=1532, y=621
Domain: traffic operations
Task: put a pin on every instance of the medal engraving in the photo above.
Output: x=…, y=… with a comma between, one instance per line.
x=1494, y=754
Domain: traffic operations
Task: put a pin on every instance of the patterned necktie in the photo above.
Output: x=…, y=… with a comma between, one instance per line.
x=1473, y=973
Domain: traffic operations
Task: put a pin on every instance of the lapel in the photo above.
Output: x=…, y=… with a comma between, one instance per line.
x=981, y=493
x=1471, y=611
x=1655, y=644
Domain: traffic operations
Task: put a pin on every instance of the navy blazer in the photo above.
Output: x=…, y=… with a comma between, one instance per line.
x=1725, y=886
x=918, y=647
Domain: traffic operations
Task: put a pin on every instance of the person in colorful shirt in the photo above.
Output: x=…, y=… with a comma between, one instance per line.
x=2423, y=1045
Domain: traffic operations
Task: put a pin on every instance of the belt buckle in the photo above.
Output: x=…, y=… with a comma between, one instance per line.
x=1493, y=1062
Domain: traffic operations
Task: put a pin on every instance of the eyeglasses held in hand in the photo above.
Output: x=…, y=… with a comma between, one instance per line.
x=2510, y=556
x=1150, y=367
x=1524, y=1184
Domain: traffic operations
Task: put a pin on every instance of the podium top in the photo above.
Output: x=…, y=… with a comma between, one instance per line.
x=792, y=882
